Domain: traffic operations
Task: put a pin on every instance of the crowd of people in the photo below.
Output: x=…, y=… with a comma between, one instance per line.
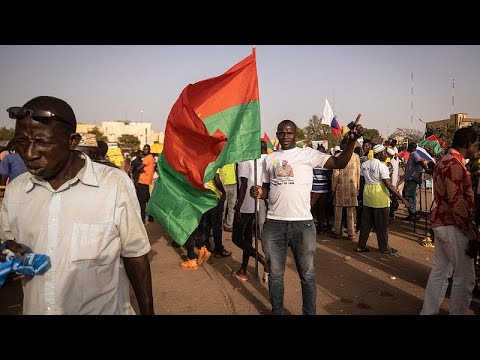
x=89, y=216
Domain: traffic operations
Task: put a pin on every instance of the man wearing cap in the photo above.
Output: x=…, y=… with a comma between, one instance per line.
x=375, y=186
x=83, y=215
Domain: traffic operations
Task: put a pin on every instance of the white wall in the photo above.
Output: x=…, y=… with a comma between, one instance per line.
x=114, y=129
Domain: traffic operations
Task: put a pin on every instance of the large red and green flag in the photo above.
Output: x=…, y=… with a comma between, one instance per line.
x=213, y=122
x=434, y=146
x=434, y=138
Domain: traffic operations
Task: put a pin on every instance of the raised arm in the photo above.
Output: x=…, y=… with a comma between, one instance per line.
x=342, y=160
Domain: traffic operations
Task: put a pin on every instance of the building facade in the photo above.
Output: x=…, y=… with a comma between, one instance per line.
x=458, y=120
x=114, y=129
x=156, y=137
x=85, y=128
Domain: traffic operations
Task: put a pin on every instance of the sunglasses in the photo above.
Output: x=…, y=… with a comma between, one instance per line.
x=44, y=116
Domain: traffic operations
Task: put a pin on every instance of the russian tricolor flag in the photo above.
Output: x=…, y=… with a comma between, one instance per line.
x=424, y=154
x=336, y=128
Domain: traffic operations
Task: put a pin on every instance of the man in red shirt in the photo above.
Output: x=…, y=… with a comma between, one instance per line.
x=452, y=223
x=146, y=177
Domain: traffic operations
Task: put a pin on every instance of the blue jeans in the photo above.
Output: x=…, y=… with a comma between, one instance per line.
x=278, y=235
x=410, y=193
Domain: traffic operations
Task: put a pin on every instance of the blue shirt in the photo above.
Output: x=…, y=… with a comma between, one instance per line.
x=322, y=180
x=414, y=168
x=12, y=165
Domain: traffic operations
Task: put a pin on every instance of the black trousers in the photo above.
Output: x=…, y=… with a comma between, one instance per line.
x=190, y=247
x=143, y=195
x=377, y=217
x=242, y=235
x=212, y=221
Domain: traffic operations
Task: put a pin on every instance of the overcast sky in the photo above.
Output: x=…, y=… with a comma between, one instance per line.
x=119, y=82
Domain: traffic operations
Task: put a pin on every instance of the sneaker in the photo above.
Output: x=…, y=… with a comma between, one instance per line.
x=224, y=253
x=189, y=264
x=390, y=251
x=203, y=255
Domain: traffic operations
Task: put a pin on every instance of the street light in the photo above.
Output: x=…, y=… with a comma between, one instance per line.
x=141, y=115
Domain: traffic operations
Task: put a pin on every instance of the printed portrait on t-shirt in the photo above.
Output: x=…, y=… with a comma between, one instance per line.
x=282, y=169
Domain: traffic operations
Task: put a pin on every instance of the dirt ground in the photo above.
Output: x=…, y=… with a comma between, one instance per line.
x=348, y=283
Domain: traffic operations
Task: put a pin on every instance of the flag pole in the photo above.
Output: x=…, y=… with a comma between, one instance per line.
x=255, y=205
x=256, y=219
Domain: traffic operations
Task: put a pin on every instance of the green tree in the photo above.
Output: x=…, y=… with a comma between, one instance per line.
x=315, y=130
x=127, y=141
x=444, y=132
x=300, y=134
x=6, y=133
x=98, y=134
x=413, y=135
x=370, y=134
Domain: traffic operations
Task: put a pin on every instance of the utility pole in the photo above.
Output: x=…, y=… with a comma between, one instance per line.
x=334, y=101
x=453, y=96
x=411, y=102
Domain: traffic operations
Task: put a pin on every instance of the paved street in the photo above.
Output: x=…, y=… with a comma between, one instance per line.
x=347, y=282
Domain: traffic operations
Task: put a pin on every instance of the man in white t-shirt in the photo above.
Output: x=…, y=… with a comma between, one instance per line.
x=245, y=213
x=376, y=187
x=289, y=220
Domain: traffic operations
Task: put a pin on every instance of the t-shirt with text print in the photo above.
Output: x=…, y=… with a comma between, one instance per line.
x=289, y=173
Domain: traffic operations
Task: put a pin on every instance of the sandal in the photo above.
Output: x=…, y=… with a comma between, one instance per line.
x=239, y=277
